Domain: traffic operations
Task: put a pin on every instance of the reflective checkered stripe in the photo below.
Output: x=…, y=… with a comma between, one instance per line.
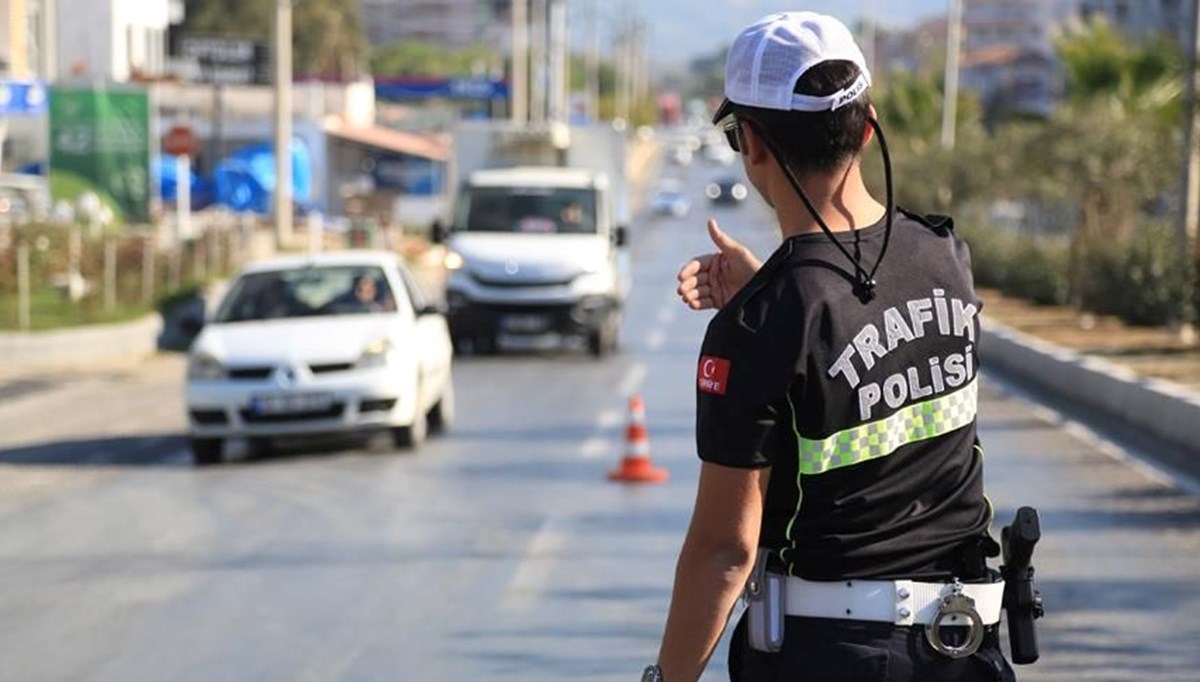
x=914, y=423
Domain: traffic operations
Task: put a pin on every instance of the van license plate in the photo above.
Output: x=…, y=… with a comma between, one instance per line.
x=525, y=324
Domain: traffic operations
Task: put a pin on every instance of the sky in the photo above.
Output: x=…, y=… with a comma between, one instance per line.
x=681, y=30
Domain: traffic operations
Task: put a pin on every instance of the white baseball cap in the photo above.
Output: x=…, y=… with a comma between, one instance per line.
x=771, y=55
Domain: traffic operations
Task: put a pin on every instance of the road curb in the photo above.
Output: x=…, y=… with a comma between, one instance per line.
x=79, y=346
x=1161, y=409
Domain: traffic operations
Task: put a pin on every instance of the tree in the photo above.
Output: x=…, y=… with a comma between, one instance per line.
x=412, y=58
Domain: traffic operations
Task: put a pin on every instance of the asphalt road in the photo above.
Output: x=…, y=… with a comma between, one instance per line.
x=499, y=552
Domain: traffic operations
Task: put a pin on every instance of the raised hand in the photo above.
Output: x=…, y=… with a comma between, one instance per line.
x=709, y=281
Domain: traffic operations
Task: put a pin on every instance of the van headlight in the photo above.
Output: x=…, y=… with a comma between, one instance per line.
x=712, y=191
x=453, y=261
x=205, y=367
x=375, y=354
x=739, y=191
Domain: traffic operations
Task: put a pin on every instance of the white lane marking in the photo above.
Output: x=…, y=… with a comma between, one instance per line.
x=656, y=340
x=600, y=444
x=537, y=564
x=632, y=381
x=594, y=447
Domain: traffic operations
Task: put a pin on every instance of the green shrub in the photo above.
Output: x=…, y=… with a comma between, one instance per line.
x=1141, y=281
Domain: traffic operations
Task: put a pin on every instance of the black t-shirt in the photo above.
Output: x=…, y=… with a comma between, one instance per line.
x=864, y=411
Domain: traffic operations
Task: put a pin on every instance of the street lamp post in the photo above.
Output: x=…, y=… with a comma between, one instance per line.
x=1189, y=213
x=953, y=50
x=283, y=122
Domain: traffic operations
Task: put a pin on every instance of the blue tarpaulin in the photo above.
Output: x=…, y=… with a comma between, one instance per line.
x=246, y=180
x=168, y=183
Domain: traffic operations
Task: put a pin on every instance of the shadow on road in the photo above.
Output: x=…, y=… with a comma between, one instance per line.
x=141, y=450
x=171, y=449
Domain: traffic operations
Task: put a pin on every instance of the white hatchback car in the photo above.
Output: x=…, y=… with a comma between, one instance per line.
x=319, y=344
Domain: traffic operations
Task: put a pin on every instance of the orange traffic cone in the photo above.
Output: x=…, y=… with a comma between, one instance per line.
x=636, y=466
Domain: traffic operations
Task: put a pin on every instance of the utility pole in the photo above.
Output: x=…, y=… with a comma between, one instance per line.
x=519, y=95
x=592, y=62
x=537, y=59
x=283, y=122
x=560, y=70
x=953, y=51
x=1189, y=214
x=868, y=33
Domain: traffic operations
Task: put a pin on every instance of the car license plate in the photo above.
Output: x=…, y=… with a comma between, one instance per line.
x=290, y=403
x=525, y=324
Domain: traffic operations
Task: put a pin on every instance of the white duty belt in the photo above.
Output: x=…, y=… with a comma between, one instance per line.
x=900, y=602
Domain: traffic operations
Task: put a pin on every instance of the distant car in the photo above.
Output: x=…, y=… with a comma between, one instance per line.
x=720, y=153
x=681, y=156
x=670, y=200
x=727, y=191
x=328, y=343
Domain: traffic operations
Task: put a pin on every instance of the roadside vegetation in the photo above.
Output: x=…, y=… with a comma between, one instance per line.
x=1078, y=208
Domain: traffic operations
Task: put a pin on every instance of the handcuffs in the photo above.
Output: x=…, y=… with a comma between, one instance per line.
x=953, y=606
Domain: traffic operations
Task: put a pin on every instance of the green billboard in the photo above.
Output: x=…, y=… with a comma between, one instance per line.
x=100, y=143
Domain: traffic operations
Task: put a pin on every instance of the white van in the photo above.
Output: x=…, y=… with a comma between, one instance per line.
x=535, y=252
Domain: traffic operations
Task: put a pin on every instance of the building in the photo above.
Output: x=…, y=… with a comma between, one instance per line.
x=26, y=39
x=1140, y=18
x=114, y=40
x=448, y=23
x=911, y=50
x=1008, y=58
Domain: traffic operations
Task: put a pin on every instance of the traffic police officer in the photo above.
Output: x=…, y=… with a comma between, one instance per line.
x=841, y=485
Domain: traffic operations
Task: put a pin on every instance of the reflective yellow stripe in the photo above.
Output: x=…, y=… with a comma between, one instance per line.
x=914, y=423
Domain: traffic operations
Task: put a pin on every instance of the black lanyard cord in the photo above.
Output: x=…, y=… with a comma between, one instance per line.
x=864, y=281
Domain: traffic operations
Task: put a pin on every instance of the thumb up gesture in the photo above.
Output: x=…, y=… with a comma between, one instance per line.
x=710, y=281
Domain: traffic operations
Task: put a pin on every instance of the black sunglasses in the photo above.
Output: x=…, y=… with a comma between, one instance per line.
x=732, y=127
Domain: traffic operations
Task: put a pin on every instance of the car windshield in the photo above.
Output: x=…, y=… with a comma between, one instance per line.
x=307, y=292
x=528, y=210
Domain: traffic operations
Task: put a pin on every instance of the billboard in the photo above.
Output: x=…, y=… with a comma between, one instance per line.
x=226, y=61
x=100, y=144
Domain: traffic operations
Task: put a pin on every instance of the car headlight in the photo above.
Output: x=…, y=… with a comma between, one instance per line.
x=453, y=261
x=739, y=191
x=376, y=353
x=712, y=191
x=205, y=367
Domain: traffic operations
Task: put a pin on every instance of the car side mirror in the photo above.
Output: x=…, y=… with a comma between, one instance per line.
x=438, y=308
x=621, y=236
x=438, y=233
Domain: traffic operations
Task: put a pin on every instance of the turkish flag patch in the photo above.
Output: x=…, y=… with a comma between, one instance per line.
x=713, y=375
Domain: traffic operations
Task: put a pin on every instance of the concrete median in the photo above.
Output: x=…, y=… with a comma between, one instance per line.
x=1151, y=407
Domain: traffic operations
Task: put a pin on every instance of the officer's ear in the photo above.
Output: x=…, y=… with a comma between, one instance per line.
x=753, y=147
x=869, y=133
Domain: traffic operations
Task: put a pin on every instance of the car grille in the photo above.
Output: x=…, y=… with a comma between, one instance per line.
x=334, y=412
x=209, y=417
x=248, y=373
x=331, y=367
x=519, y=284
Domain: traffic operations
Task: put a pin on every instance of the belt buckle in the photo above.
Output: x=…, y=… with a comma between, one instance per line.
x=954, y=605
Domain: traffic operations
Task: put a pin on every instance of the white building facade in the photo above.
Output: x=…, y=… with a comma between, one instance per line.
x=113, y=40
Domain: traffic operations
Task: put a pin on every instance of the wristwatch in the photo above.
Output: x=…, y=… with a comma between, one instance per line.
x=652, y=673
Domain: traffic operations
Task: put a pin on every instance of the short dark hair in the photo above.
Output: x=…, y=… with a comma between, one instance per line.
x=816, y=141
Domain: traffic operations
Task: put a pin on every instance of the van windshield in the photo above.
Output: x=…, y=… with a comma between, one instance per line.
x=528, y=210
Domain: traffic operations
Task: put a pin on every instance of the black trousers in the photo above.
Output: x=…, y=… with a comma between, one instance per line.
x=824, y=650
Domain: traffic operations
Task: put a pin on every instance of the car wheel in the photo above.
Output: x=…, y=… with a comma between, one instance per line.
x=441, y=417
x=207, y=451
x=604, y=341
x=411, y=436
